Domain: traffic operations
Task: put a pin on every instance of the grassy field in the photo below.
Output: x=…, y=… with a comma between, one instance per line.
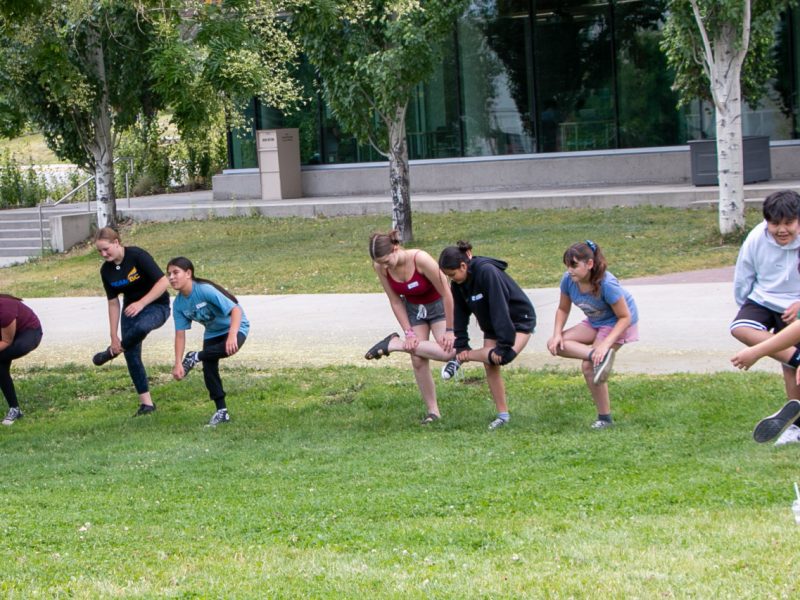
x=326, y=487
x=29, y=149
x=287, y=256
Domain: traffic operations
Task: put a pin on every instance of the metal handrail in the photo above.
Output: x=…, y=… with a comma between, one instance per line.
x=84, y=184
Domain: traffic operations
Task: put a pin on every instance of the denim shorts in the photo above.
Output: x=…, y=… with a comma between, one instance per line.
x=430, y=313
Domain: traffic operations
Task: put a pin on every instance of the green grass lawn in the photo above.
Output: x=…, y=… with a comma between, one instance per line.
x=288, y=256
x=324, y=486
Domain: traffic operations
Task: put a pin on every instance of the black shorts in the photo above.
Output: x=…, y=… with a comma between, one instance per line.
x=754, y=315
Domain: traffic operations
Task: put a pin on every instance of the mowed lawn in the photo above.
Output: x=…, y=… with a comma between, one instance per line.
x=308, y=256
x=324, y=486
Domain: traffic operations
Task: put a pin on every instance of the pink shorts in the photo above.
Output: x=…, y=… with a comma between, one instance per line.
x=631, y=334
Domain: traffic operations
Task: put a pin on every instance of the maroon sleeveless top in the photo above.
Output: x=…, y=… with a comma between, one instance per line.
x=417, y=290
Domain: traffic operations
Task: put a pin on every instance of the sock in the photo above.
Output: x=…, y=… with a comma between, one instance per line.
x=606, y=418
x=794, y=362
x=504, y=415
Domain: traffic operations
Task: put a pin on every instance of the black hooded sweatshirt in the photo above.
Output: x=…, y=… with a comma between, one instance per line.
x=498, y=303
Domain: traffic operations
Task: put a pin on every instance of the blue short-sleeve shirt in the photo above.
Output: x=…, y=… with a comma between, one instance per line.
x=598, y=308
x=209, y=307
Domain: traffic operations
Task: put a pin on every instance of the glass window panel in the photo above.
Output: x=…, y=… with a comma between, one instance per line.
x=494, y=42
x=573, y=61
x=243, y=141
x=647, y=105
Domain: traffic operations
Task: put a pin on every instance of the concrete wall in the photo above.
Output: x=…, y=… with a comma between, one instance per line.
x=669, y=165
x=71, y=229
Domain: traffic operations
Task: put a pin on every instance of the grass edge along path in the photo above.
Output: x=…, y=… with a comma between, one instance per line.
x=258, y=255
x=325, y=486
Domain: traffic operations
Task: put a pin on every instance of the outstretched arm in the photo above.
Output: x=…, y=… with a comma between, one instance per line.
x=747, y=357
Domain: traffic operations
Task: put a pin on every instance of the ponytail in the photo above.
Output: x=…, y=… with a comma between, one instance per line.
x=185, y=264
x=585, y=251
x=452, y=256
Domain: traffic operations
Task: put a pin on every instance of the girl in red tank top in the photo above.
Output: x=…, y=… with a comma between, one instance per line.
x=422, y=303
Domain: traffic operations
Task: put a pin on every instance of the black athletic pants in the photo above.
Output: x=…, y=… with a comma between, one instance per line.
x=24, y=343
x=213, y=351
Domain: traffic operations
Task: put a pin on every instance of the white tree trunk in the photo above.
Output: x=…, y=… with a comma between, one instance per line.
x=399, y=175
x=727, y=92
x=102, y=144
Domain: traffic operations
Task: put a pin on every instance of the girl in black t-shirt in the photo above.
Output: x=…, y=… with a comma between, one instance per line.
x=132, y=272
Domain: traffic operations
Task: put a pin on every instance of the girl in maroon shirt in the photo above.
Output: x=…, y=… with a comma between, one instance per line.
x=20, y=333
x=422, y=303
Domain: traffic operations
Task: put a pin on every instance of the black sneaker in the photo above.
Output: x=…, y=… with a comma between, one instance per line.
x=450, y=369
x=221, y=416
x=189, y=361
x=13, y=414
x=103, y=357
x=145, y=409
x=772, y=426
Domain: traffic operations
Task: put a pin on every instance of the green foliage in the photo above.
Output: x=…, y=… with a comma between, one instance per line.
x=329, y=255
x=370, y=54
x=324, y=486
x=19, y=188
x=214, y=59
x=723, y=19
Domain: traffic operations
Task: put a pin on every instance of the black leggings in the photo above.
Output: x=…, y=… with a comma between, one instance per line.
x=213, y=351
x=24, y=342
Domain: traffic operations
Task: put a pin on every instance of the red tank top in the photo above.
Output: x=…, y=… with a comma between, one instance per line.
x=417, y=290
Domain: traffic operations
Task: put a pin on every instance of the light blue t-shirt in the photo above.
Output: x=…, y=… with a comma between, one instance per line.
x=598, y=309
x=209, y=307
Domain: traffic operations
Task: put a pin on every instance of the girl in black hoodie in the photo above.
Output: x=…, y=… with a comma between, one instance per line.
x=504, y=313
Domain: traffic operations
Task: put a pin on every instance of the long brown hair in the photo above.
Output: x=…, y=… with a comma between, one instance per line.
x=585, y=251
x=185, y=264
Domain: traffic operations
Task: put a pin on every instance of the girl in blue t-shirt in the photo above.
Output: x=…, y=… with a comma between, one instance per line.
x=226, y=326
x=611, y=320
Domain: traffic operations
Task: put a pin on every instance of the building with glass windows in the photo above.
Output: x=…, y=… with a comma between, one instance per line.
x=524, y=80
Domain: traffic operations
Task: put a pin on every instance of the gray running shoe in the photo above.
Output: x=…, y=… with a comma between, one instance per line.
x=774, y=425
x=497, y=424
x=12, y=415
x=600, y=424
x=221, y=416
x=603, y=370
x=189, y=361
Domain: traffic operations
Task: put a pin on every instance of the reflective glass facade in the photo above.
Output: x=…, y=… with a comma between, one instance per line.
x=533, y=76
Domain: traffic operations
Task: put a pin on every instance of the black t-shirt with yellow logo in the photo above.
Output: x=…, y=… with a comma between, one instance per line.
x=133, y=277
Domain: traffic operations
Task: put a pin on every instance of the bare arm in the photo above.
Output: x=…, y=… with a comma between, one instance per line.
x=556, y=341
x=113, y=324
x=232, y=343
x=180, y=346
x=620, y=308
x=159, y=287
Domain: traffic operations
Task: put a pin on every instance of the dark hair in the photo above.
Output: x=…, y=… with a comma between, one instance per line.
x=107, y=234
x=783, y=205
x=452, y=256
x=9, y=296
x=585, y=251
x=381, y=244
x=185, y=264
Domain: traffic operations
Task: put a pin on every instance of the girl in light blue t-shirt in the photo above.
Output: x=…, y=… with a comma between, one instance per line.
x=225, y=323
x=611, y=320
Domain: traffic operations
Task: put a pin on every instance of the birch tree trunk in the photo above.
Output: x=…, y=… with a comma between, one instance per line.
x=102, y=144
x=727, y=92
x=399, y=175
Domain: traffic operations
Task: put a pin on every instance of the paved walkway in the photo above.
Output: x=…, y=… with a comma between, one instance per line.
x=325, y=329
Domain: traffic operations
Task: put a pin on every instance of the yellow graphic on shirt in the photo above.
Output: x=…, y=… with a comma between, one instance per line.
x=133, y=275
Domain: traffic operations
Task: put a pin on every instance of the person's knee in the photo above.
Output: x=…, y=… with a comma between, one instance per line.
x=506, y=354
x=419, y=363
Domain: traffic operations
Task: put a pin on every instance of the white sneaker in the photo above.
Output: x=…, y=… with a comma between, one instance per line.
x=774, y=425
x=450, y=369
x=790, y=436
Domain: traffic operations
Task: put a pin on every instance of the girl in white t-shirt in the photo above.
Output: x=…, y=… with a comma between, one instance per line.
x=611, y=320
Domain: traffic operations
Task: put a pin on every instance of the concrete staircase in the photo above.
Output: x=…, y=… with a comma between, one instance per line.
x=20, y=237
